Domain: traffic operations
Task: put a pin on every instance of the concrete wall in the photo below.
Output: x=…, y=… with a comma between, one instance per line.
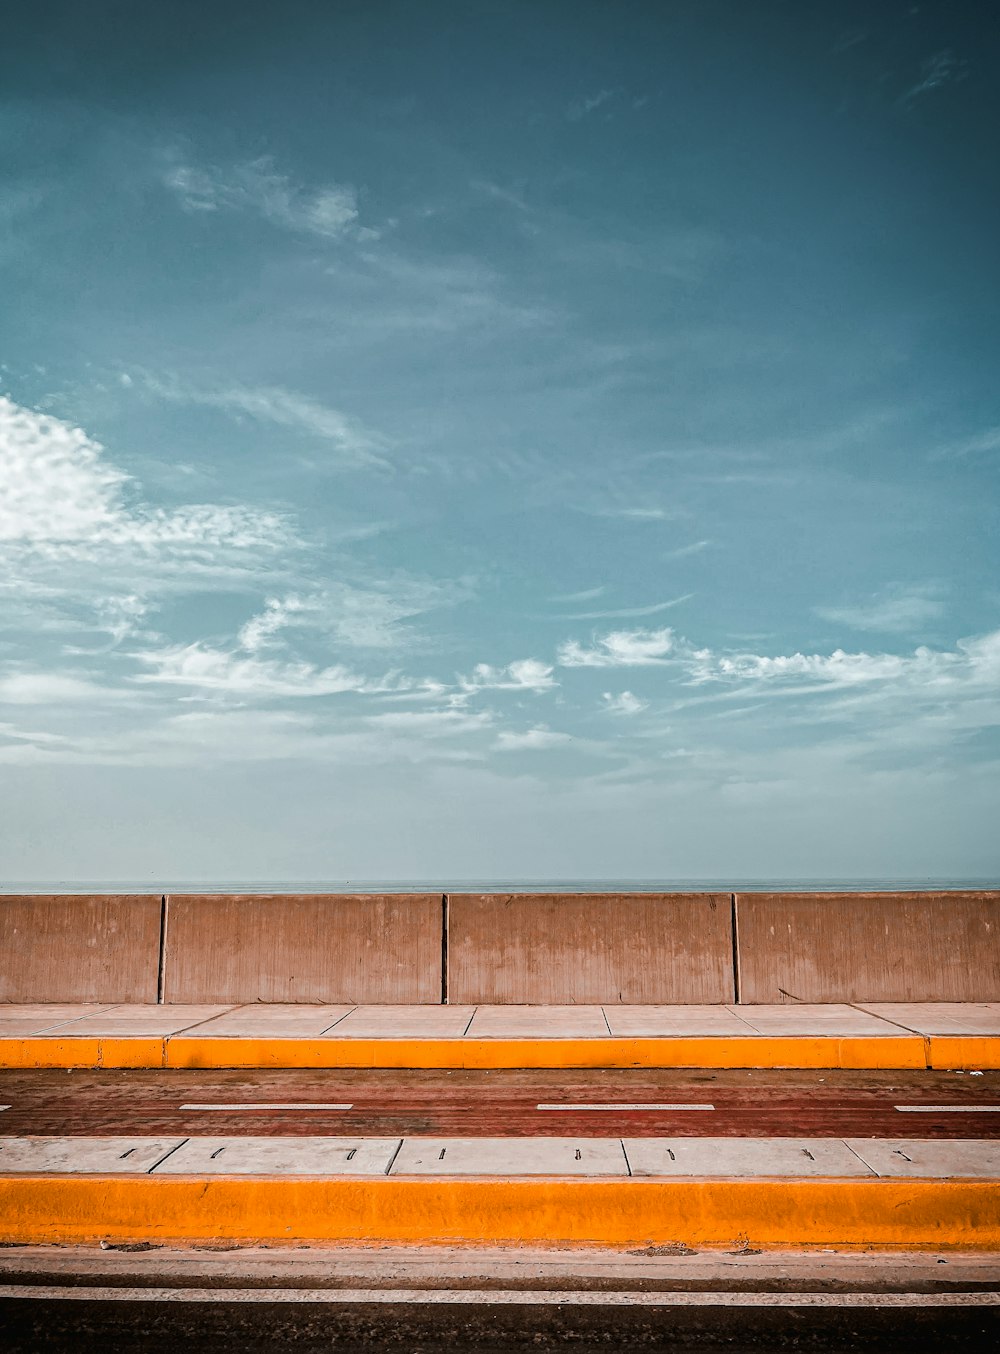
x=868, y=946
x=73, y=947
x=504, y=948
x=645, y=947
x=303, y=947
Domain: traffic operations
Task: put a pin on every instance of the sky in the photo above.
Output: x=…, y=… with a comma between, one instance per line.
x=499, y=441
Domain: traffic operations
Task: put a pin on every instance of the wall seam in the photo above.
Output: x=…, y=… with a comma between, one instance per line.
x=736, y=949
x=444, y=948
x=162, y=953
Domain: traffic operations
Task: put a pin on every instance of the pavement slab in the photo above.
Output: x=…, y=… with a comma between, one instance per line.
x=511, y=1157
x=92, y=1156
x=282, y=1156
x=969, y=1158
x=832, y=1021
x=742, y=1157
x=943, y=1017
x=538, y=1022
x=140, y=1021
x=675, y=1021
x=277, y=1020
x=405, y=1022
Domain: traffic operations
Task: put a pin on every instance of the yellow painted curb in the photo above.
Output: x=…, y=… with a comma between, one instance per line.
x=954, y=1052
x=184, y=1051
x=893, y=1214
x=82, y=1051
x=750, y=1051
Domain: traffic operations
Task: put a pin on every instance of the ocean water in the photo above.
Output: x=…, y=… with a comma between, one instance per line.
x=731, y=885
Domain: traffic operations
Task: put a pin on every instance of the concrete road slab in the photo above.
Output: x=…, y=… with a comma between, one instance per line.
x=968, y=1158
x=88, y=1156
x=142, y=1021
x=19, y=1020
x=675, y=1022
x=281, y=1020
x=510, y=1156
x=742, y=1157
x=281, y=1156
x=538, y=1022
x=944, y=1017
x=405, y=1022
x=834, y=1021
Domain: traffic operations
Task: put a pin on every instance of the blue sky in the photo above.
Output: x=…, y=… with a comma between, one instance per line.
x=499, y=440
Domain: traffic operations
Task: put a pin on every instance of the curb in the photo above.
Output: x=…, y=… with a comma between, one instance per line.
x=771, y=1213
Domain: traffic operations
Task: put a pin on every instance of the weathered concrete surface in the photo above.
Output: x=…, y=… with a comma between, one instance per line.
x=350, y=948
x=869, y=947
x=567, y=948
x=79, y=947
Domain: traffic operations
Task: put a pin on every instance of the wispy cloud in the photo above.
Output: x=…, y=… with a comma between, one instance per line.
x=587, y=595
x=330, y=211
x=984, y=443
x=354, y=444
x=537, y=739
x=682, y=551
x=619, y=649
x=895, y=610
x=623, y=703
x=622, y=612
x=590, y=103
x=942, y=68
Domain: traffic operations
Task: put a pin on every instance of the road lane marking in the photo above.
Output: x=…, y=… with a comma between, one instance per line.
x=624, y=1107
x=531, y=1297
x=4, y=1107
x=267, y=1107
x=948, y=1109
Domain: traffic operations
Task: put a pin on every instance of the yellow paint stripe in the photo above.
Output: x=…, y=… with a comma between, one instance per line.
x=864, y=1052
x=893, y=1214
x=953, y=1052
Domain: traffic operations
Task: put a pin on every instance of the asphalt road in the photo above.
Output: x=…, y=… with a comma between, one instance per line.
x=94, y=1327
x=757, y=1103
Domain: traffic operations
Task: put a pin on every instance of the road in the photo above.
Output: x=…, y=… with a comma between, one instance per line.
x=640, y=1103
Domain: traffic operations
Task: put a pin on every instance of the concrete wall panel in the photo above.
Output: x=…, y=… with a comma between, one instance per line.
x=820, y=947
x=79, y=948
x=566, y=948
x=303, y=947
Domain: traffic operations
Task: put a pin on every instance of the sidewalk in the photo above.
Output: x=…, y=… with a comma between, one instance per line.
x=939, y=1035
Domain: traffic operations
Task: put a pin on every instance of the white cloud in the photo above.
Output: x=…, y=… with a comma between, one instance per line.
x=260, y=631
x=623, y=703
x=356, y=445
x=897, y=610
x=974, y=664
x=215, y=670
x=532, y=740
x=525, y=674
x=255, y=185
x=619, y=649
x=61, y=498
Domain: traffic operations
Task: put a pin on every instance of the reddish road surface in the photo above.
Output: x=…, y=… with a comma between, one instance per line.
x=504, y=1103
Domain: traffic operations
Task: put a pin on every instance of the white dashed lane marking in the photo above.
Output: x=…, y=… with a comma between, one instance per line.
x=625, y=1107
x=267, y=1107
